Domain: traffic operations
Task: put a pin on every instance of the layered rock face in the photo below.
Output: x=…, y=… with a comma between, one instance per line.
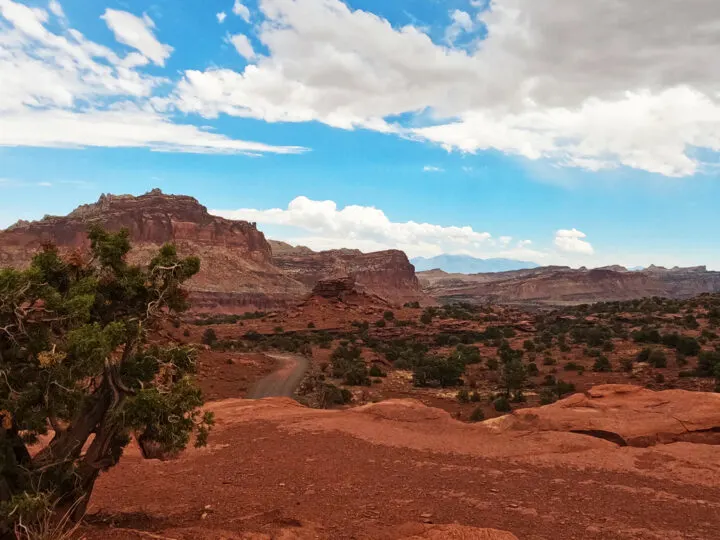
x=239, y=268
x=387, y=274
x=562, y=285
x=236, y=269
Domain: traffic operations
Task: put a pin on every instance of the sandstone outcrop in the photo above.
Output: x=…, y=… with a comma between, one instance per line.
x=626, y=415
x=556, y=285
x=240, y=268
x=387, y=274
x=236, y=270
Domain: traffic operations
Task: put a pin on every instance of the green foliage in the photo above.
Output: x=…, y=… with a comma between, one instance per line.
x=502, y=404
x=347, y=364
x=380, y=323
x=431, y=370
x=209, y=337
x=708, y=363
x=74, y=356
x=375, y=371
x=388, y=315
x=463, y=396
x=513, y=377
x=478, y=415
x=657, y=358
x=602, y=364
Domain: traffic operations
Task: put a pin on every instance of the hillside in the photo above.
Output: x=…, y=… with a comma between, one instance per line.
x=555, y=285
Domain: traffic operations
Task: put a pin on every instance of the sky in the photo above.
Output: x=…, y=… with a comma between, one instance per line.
x=554, y=131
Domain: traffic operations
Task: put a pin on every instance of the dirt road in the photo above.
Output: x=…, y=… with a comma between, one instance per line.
x=282, y=382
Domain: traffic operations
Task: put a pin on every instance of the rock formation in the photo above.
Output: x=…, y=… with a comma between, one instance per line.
x=557, y=285
x=236, y=271
x=238, y=268
x=387, y=274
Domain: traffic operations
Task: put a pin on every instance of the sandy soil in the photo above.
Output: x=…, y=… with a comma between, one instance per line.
x=273, y=464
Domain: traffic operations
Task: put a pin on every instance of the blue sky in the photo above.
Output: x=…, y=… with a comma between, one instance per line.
x=434, y=127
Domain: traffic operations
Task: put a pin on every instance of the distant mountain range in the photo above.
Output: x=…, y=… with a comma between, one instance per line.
x=465, y=264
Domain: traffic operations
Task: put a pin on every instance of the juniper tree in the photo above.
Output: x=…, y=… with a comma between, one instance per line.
x=76, y=361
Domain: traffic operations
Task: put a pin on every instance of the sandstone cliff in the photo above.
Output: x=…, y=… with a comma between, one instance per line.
x=387, y=274
x=556, y=285
x=236, y=271
x=240, y=268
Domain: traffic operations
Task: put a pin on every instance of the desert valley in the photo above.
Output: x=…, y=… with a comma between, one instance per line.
x=356, y=398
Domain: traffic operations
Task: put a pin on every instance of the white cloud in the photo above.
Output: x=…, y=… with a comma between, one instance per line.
x=432, y=168
x=241, y=10
x=578, y=89
x=505, y=240
x=124, y=127
x=221, y=17
x=137, y=33
x=462, y=22
x=322, y=225
x=571, y=241
x=243, y=46
x=63, y=90
x=45, y=184
x=55, y=7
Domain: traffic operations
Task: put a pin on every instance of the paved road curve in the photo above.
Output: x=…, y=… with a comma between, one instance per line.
x=284, y=381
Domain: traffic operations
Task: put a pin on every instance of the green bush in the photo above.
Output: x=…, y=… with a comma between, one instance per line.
x=209, y=337
x=478, y=415
x=502, y=404
x=463, y=396
x=602, y=364
x=437, y=371
x=657, y=358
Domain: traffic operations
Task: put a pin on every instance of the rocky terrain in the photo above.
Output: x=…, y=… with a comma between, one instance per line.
x=387, y=274
x=400, y=470
x=240, y=269
x=554, y=285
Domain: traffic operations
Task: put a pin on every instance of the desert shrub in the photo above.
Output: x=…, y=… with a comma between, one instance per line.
x=477, y=415
x=626, y=364
x=475, y=397
x=74, y=357
x=493, y=364
x=529, y=345
x=513, y=378
x=347, y=364
x=375, y=371
x=463, y=396
x=380, y=324
x=412, y=305
x=388, y=315
x=311, y=325
x=532, y=370
x=432, y=370
x=646, y=335
x=657, y=358
x=209, y=337
x=502, y=404
x=467, y=354
x=426, y=318
x=547, y=396
x=572, y=366
x=602, y=364
x=708, y=362
x=186, y=332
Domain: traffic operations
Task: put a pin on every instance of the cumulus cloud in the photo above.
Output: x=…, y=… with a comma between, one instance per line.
x=137, y=33
x=571, y=241
x=221, y=17
x=241, y=10
x=242, y=46
x=325, y=226
x=63, y=90
x=579, y=89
